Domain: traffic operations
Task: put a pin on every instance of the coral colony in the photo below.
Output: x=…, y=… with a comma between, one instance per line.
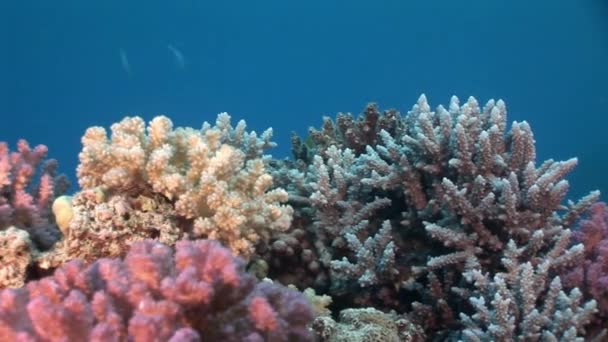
x=439, y=225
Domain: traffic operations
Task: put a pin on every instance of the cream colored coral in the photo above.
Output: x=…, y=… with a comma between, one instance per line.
x=214, y=176
x=63, y=212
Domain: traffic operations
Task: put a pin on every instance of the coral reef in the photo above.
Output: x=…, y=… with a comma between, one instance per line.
x=438, y=225
x=200, y=292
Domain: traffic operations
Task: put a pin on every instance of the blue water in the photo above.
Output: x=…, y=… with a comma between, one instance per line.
x=286, y=63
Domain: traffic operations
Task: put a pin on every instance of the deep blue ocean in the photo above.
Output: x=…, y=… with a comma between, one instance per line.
x=68, y=65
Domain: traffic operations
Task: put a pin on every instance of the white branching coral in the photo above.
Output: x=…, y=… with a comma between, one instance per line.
x=454, y=185
x=375, y=258
x=463, y=164
x=522, y=305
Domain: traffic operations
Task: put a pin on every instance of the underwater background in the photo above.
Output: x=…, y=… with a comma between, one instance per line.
x=68, y=65
x=446, y=223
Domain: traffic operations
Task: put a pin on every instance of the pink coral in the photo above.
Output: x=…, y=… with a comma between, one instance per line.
x=200, y=291
x=262, y=314
x=17, y=205
x=592, y=278
x=26, y=223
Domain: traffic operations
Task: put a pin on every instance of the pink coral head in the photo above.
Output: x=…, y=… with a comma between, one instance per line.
x=212, y=261
x=594, y=229
x=116, y=300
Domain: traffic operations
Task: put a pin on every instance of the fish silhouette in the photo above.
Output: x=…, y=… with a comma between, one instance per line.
x=124, y=62
x=178, y=56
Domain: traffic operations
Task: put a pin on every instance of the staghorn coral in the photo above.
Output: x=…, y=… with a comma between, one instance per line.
x=200, y=292
x=455, y=186
x=374, y=258
x=524, y=304
x=476, y=188
x=347, y=133
x=338, y=215
x=214, y=178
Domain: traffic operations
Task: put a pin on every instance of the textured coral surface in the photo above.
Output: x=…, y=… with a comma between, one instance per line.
x=197, y=293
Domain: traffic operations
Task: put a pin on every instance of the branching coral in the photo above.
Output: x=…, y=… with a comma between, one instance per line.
x=455, y=187
x=200, y=292
x=24, y=202
x=26, y=223
x=347, y=133
x=213, y=180
x=524, y=304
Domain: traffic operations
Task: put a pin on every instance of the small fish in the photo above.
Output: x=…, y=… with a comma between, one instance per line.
x=124, y=61
x=178, y=55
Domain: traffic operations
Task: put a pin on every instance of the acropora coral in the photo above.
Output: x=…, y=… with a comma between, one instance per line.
x=399, y=210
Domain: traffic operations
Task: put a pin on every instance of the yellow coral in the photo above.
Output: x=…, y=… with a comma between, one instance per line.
x=63, y=211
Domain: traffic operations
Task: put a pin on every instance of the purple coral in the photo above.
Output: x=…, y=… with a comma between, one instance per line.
x=18, y=205
x=200, y=291
x=592, y=278
x=24, y=203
